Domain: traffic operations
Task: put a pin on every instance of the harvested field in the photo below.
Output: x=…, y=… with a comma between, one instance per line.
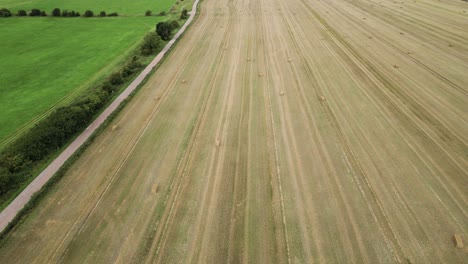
x=279, y=132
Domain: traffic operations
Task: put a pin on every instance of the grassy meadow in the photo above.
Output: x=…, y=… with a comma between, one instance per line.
x=47, y=62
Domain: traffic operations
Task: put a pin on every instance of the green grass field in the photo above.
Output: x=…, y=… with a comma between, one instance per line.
x=136, y=7
x=46, y=62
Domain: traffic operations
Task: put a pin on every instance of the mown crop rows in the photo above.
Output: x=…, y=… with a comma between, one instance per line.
x=279, y=132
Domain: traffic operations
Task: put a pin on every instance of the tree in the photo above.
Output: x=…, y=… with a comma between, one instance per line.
x=43, y=13
x=65, y=13
x=116, y=78
x=56, y=12
x=88, y=13
x=162, y=13
x=184, y=14
x=5, y=12
x=151, y=43
x=148, y=13
x=102, y=14
x=113, y=14
x=35, y=12
x=164, y=30
x=21, y=12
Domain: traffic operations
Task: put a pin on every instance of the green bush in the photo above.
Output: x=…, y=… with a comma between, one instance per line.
x=102, y=14
x=174, y=25
x=5, y=12
x=151, y=43
x=35, y=12
x=113, y=14
x=56, y=12
x=164, y=30
x=21, y=12
x=116, y=78
x=184, y=14
x=88, y=13
x=148, y=13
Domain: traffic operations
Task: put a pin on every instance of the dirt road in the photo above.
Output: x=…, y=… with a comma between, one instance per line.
x=279, y=131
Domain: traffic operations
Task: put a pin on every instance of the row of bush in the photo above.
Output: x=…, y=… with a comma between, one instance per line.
x=19, y=160
x=55, y=13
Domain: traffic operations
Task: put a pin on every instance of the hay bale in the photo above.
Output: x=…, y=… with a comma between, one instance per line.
x=157, y=98
x=184, y=81
x=396, y=66
x=289, y=60
x=248, y=59
x=457, y=240
x=115, y=127
x=322, y=98
x=260, y=74
x=282, y=93
x=450, y=45
x=401, y=33
x=218, y=143
x=155, y=188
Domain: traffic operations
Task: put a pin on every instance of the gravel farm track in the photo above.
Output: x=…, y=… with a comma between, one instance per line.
x=278, y=131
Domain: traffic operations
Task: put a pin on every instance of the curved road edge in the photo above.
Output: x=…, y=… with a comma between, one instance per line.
x=10, y=212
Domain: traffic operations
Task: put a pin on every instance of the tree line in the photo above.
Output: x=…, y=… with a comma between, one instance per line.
x=56, y=12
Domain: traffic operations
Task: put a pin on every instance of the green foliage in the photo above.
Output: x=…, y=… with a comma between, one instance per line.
x=5, y=12
x=56, y=12
x=21, y=12
x=151, y=43
x=164, y=30
x=174, y=25
x=35, y=12
x=88, y=13
x=43, y=13
x=162, y=13
x=116, y=78
x=184, y=14
x=102, y=14
x=148, y=13
x=114, y=14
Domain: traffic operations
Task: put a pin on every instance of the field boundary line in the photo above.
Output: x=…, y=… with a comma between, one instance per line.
x=12, y=210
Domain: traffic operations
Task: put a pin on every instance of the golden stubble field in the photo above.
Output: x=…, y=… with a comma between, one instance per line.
x=279, y=131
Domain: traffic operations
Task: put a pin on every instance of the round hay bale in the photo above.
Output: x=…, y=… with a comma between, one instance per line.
x=260, y=74
x=184, y=81
x=289, y=60
x=282, y=93
x=322, y=98
x=248, y=59
x=218, y=143
x=396, y=66
x=115, y=127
